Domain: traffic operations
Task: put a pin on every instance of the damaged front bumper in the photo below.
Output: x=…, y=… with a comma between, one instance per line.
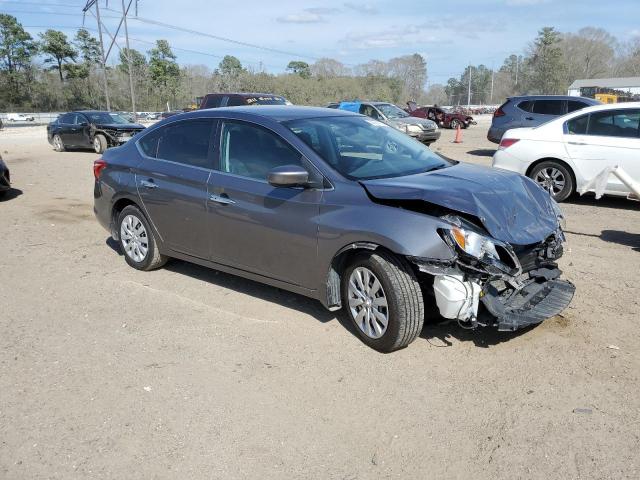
x=509, y=297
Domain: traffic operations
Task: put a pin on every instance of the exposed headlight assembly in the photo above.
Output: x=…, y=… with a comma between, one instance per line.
x=413, y=129
x=465, y=238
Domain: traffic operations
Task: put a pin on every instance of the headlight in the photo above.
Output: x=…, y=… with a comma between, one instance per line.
x=413, y=129
x=474, y=244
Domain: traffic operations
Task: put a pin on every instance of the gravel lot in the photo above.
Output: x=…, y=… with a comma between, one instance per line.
x=108, y=372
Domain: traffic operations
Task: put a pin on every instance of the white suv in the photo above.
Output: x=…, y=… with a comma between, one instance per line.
x=563, y=155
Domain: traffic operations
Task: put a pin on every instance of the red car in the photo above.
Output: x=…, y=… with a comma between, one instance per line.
x=440, y=116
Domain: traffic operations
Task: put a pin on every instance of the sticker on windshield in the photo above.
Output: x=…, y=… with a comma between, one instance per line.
x=392, y=147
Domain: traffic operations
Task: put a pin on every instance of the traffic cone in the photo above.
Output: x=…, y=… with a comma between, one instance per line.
x=458, y=138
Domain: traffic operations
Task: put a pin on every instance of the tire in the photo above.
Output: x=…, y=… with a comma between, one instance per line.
x=58, y=144
x=455, y=123
x=137, y=242
x=555, y=178
x=99, y=143
x=400, y=292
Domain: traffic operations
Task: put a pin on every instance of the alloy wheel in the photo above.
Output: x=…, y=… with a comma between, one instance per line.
x=57, y=143
x=368, y=302
x=134, y=238
x=96, y=145
x=551, y=179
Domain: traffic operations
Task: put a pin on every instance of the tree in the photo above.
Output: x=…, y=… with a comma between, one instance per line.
x=17, y=48
x=328, y=68
x=230, y=66
x=299, y=68
x=88, y=47
x=164, y=72
x=55, y=44
x=546, y=63
x=436, y=95
x=589, y=53
x=137, y=60
x=411, y=70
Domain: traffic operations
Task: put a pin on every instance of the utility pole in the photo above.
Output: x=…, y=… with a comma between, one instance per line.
x=129, y=64
x=493, y=72
x=469, y=91
x=103, y=60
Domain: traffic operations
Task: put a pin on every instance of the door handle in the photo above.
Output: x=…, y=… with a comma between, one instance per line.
x=148, y=184
x=224, y=200
x=576, y=143
x=529, y=118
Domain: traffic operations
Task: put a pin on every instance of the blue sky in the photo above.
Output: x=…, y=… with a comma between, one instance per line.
x=448, y=34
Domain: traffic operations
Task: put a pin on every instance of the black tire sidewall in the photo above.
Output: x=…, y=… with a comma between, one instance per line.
x=568, y=189
x=387, y=340
x=145, y=264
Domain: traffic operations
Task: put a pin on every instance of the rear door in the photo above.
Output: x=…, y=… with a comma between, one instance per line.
x=544, y=110
x=605, y=139
x=172, y=183
x=271, y=231
x=65, y=128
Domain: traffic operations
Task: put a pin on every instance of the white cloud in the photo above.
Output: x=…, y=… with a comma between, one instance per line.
x=303, y=17
x=365, y=8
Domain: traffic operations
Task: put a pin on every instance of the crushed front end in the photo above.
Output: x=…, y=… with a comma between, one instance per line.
x=492, y=283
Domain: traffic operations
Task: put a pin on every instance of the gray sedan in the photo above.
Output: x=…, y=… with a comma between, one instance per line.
x=341, y=208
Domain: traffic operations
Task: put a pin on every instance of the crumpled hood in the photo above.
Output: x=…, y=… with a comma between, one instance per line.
x=511, y=207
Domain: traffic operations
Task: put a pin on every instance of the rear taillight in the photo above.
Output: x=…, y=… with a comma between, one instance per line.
x=499, y=113
x=507, y=142
x=98, y=166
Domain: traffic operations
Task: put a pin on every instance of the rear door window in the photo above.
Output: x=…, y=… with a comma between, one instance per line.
x=548, y=107
x=620, y=123
x=578, y=125
x=187, y=142
x=67, y=118
x=573, y=105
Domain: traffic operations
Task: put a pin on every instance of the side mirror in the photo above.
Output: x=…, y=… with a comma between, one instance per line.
x=288, y=176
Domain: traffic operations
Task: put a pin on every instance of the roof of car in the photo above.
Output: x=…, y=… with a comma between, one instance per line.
x=554, y=97
x=282, y=113
x=245, y=94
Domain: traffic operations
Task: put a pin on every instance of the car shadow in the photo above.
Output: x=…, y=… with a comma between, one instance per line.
x=589, y=199
x=10, y=194
x=615, y=236
x=483, y=152
x=435, y=327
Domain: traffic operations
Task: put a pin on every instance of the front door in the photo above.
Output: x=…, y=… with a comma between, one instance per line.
x=255, y=226
x=605, y=139
x=172, y=183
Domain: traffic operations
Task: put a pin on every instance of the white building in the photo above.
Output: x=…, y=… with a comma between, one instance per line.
x=625, y=87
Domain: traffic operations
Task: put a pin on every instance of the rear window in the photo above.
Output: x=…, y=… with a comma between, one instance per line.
x=526, y=105
x=548, y=107
x=264, y=100
x=212, y=101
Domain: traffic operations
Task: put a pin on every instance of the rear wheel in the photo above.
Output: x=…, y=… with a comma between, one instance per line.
x=555, y=178
x=58, y=146
x=382, y=297
x=136, y=239
x=99, y=143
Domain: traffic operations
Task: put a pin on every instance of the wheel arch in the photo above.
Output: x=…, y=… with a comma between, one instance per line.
x=342, y=258
x=117, y=207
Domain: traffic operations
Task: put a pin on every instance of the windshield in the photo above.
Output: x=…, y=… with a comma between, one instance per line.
x=391, y=111
x=362, y=148
x=105, y=118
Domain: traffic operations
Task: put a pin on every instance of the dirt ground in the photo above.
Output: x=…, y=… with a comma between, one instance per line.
x=108, y=372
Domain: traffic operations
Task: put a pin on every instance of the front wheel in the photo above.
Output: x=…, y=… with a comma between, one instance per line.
x=58, y=146
x=454, y=124
x=383, y=299
x=99, y=143
x=136, y=239
x=555, y=178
